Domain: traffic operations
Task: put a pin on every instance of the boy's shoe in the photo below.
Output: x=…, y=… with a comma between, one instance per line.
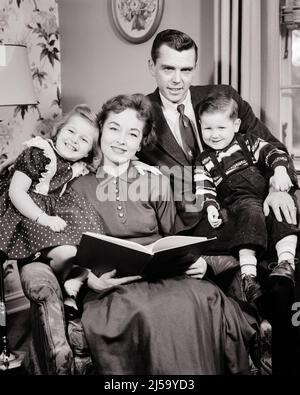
x=251, y=289
x=283, y=269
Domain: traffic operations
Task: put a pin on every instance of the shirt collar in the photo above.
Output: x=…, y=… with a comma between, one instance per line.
x=130, y=175
x=167, y=105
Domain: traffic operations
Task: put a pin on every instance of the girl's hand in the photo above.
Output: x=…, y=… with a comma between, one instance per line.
x=281, y=180
x=55, y=223
x=108, y=280
x=79, y=169
x=143, y=167
x=197, y=269
x=213, y=216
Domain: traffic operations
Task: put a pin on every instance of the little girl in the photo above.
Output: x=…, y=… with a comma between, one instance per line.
x=35, y=215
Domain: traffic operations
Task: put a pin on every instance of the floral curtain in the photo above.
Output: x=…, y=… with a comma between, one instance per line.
x=35, y=24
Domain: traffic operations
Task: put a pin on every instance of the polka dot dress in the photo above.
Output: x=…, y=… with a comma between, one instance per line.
x=21, y=237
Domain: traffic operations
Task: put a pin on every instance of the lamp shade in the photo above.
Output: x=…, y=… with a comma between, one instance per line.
x=16, y=86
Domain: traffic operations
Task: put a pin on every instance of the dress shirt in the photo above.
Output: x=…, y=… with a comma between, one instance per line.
x=172, y=115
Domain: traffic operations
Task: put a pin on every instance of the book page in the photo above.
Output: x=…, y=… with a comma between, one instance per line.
x=166, y=243
x=121, y=242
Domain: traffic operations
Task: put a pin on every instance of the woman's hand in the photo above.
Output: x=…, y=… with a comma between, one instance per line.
x=197, y=269
x=79, y=169
x=108, y=280
x=143, y=167
x=213, y=216
x=281, y=203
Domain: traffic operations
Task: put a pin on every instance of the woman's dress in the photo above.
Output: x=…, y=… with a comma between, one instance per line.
x=173, y=326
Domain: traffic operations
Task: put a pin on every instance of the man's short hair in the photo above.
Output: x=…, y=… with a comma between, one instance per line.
x=174, y=39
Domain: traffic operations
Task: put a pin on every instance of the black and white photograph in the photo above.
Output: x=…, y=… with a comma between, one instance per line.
x=149, y=190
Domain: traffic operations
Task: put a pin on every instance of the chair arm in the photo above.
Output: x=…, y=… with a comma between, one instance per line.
x=50, y=344
x=40, y=283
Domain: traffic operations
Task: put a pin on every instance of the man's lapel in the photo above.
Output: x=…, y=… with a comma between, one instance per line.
x=165, y=137
x=196, y=102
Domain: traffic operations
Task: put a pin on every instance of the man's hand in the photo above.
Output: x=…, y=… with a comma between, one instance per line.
x=281, y=181
x=197, y=269
x=108, y=280
x=281, y=203
x=213, y=216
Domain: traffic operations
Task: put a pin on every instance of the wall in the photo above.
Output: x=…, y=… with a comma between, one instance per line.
x=97, y=63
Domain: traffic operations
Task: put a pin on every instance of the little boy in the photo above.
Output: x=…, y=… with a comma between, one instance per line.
x=231, y=172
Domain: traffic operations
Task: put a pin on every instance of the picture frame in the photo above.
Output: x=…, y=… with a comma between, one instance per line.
x=136, y=20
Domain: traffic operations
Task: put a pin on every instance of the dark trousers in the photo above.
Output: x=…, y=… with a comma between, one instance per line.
x=277, y=304
x=296, y=344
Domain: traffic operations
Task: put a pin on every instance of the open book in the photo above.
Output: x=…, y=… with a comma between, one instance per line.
x=167, y=256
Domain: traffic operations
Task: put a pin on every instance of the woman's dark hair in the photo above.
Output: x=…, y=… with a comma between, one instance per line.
x=219, y=102
x=174, y=39
x=85, y=112
x=138, y=102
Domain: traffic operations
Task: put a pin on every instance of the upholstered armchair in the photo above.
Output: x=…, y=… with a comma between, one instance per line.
x=56, y=347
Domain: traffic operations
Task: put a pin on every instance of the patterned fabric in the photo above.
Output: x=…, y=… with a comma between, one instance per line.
x=22, y=237
x=232, y=160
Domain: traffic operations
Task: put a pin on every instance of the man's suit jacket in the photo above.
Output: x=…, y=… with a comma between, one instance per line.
x=168, y=155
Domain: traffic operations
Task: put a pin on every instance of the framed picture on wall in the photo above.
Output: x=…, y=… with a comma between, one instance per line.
x=136, y=20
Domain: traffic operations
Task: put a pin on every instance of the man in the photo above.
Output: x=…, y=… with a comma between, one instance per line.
x=173, y=61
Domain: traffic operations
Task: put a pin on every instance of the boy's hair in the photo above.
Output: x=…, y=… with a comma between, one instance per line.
x=84, y=111
x=174, y=39
x=138, y=102
x=219, y=102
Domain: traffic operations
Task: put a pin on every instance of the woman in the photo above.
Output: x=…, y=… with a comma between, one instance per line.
x=179, y=325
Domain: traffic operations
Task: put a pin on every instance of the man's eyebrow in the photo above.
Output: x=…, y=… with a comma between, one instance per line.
x=167, y=66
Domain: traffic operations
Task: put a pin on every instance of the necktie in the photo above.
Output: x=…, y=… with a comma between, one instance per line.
x=190, y=145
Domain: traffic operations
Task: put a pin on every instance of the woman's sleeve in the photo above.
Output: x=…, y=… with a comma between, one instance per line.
x=165, y=208
x=31, y=162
